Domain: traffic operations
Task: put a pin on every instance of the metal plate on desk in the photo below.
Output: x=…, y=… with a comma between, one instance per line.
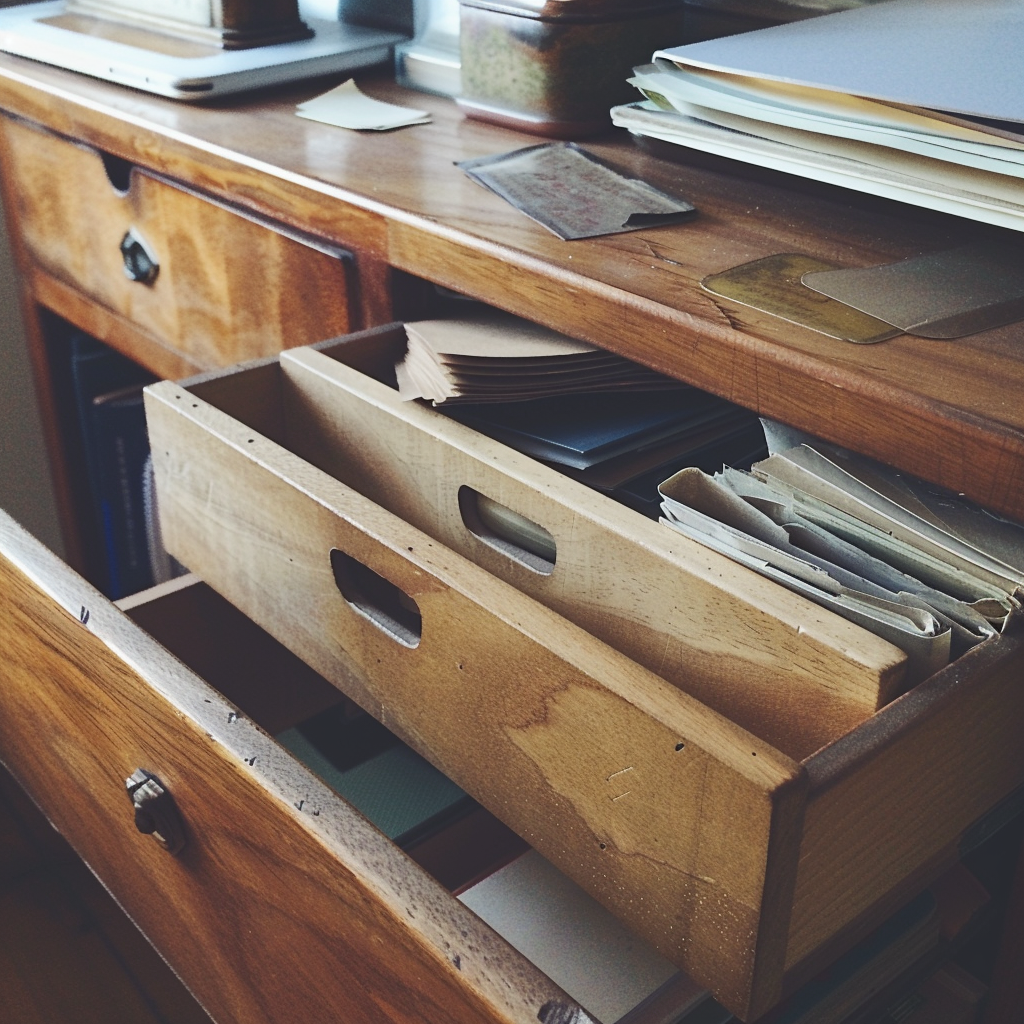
x=941, y=295
x=773, y=285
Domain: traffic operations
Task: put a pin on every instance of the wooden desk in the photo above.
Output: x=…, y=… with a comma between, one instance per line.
x=948, y=411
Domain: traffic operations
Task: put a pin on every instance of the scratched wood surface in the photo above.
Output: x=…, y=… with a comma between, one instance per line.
x=774, y=663
x=680, y=822
x=228, y=288
x=284, y=898
x=949, y=412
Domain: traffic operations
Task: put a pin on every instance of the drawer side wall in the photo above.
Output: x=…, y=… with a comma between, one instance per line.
x=919, y=775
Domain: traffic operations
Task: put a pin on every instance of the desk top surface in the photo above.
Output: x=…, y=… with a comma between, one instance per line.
x=950, y=411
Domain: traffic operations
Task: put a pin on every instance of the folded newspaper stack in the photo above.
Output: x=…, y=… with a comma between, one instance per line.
x=495, y=357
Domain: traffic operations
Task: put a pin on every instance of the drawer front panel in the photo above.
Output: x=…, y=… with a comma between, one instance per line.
x=228, y=287
x=284, y=902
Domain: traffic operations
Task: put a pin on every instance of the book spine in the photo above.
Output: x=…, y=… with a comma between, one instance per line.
x=122, y=446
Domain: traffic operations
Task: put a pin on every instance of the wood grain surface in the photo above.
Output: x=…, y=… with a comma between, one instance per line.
x=949, y=412
x=682, y=823
x=284, y=902
x=889, y=799
x=770, y=661
x=895, y=796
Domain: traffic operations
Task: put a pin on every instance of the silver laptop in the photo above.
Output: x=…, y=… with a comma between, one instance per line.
x=183, y=69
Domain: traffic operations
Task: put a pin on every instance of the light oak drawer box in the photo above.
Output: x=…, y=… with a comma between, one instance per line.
x=770, y=661
x=744, y=865
x=284, y=903
x=213, y=283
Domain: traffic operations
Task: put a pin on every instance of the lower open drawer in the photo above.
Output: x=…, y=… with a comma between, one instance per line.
x=284, y=903
x=745, y=866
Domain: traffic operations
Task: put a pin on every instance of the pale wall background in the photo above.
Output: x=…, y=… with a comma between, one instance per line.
x=25, y=489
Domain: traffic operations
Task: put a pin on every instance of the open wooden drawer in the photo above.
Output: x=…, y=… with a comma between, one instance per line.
x=747, y=866
x=284, y=903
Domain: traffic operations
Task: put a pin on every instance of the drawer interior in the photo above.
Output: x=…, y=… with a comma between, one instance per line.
x=789, y=672
x=743, y=865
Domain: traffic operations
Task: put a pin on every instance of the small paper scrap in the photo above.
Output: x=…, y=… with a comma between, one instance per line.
x=347, y=107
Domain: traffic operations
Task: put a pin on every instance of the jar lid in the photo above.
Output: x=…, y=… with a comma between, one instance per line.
x=576, y=10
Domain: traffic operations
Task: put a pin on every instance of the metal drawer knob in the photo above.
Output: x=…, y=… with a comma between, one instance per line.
x=139, y=262
x=155, y=811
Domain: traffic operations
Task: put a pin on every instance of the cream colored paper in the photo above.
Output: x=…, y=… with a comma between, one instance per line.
x=347, y=107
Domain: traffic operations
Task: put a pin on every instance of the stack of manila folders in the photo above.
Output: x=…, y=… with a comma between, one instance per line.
x=925, y=569
x=609, y=423
x=916, y=100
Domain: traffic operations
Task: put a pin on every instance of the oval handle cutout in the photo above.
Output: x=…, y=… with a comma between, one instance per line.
x=388, y=607
x=509, y=532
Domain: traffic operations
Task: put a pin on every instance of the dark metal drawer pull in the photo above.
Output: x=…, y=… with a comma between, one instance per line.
x=155, y=812
x=139, y=262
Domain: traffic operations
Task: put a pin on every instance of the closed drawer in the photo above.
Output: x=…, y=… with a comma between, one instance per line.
x=744, y=864
x=284, y=903
x=222, y=285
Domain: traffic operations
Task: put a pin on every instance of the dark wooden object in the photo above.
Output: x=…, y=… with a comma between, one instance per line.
x=231, y=24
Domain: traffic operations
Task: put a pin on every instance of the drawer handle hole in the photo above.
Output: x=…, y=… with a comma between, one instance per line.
x=119, y=172
x=388, y=607
x=509, y=532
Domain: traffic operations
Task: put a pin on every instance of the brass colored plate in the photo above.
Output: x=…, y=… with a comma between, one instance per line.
x=773, y=285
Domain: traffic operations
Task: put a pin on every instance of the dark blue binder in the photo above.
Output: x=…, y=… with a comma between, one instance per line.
x=108, y=397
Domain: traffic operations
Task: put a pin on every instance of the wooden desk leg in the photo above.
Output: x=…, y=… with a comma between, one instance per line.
x=1006, y=996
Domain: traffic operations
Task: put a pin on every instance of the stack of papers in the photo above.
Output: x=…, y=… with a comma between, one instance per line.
x=588, y=430
x=857, y=537
x=916, y=100
x=497, y=358
x=610, y=423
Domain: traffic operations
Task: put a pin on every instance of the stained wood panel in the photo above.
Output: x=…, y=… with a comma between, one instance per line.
x=284, y=898
x=894, y=797
x=228, y=287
